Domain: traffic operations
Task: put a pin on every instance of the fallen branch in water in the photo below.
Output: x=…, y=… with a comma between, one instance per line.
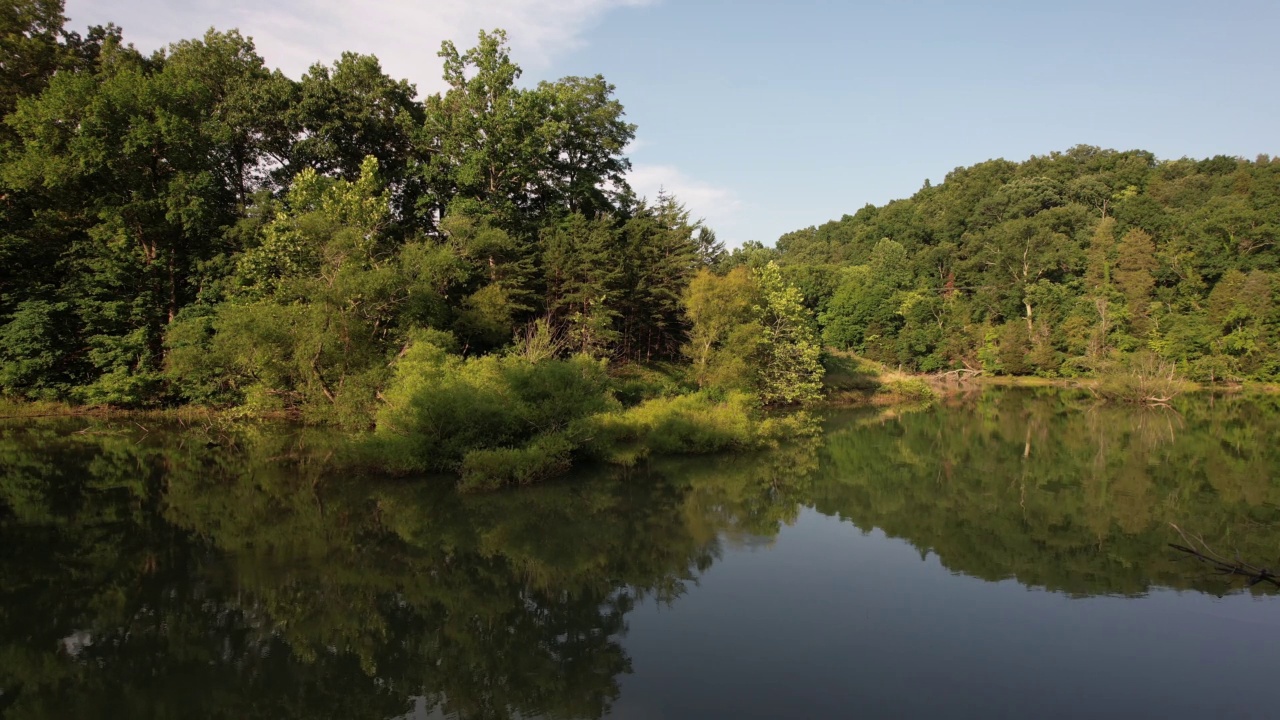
x=1222, y=565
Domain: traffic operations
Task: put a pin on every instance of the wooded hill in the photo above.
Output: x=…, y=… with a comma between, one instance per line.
x=1058, y=266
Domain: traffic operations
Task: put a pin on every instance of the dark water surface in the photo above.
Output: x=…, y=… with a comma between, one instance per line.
x=1000, y=556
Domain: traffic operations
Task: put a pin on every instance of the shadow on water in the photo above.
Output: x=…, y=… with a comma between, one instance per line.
x=182, y=573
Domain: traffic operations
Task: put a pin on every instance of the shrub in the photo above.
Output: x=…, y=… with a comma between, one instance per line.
x=911, y=390
x=500, y=421
x=633, y=384
x=688, y=424
x=440, y=407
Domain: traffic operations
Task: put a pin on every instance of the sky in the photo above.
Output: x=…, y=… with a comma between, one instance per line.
x=768, y=117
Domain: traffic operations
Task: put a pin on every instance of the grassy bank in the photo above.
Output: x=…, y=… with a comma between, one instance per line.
x=507, y=420
x=855, y=381
x=17, y=409
x=851, y=380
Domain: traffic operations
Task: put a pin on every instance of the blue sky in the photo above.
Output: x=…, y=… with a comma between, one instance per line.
x=766, y=117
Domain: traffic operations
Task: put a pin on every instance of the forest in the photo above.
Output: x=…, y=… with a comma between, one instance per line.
x=467, y=271
x=1066, y=265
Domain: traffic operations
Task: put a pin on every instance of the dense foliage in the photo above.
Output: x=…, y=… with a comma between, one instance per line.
x=457, y=272
x=191, y=226
x=1061, y=265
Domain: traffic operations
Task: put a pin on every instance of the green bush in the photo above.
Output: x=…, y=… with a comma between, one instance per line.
x=499, y=421
x=1144, y=378
x=689, y=424
x=440, y=407
x=910, y=390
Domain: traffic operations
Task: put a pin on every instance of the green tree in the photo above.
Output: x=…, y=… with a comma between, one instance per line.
x=525, y=156
x=1135, y=268
x=726, y=337
x=350, y=111
x=1101, y=261
x=581, y=262
x=132, y=155
x=659, y=257
x=791, y=371
x=318, y=306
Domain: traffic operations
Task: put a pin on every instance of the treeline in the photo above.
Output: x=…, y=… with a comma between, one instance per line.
x=1063, y=265
x=191, y=226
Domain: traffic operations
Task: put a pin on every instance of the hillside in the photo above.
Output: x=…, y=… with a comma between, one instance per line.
x=1056, y=266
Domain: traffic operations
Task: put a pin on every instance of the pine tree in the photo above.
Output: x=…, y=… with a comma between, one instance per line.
x=582, y=270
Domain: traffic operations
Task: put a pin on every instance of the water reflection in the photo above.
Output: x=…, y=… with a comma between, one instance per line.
x=148, y=575
x=230, y=573
x=1062, y=493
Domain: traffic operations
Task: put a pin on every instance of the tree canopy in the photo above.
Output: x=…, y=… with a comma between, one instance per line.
x=1056, y=266
x=191, y=226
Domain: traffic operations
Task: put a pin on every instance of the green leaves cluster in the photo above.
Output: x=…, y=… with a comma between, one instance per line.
x=439, y=407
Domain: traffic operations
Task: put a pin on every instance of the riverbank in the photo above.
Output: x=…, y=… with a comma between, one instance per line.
x=492, y=422
x=853, y=381
x=850, y=381
x=16, y=409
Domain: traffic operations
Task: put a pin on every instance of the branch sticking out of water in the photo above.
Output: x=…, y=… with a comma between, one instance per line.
x=1196, y=547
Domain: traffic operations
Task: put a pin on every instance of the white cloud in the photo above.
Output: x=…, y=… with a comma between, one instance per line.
x=633, y=147
x=718, y=206
x=404, y=34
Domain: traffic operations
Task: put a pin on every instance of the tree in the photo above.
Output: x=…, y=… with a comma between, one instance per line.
x=726, y=336
x=791, y=371
x=581, y=262
x=245, y=109
x=659, y=258
x=32, y=48
x=350, y=111
x=751, y=331
x=1100, y=259
x=318, y=305
x=863, y=304
x=583, y=136
x=1135, y=268
x=526, y=156
x=147, y=161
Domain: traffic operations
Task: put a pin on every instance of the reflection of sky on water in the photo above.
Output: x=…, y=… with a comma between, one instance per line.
x=834, y=622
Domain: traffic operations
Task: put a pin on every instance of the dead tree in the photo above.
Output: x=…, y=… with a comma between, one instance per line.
x=1196, y=547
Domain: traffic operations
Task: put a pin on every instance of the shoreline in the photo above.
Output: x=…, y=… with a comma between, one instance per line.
x=890, y=389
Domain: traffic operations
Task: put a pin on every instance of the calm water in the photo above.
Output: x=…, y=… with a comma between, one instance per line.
x=1002, y=556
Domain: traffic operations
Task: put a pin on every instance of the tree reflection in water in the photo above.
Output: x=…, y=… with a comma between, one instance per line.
x=233, y=574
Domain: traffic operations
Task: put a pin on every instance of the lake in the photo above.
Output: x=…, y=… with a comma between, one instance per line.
x=1003, y=554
